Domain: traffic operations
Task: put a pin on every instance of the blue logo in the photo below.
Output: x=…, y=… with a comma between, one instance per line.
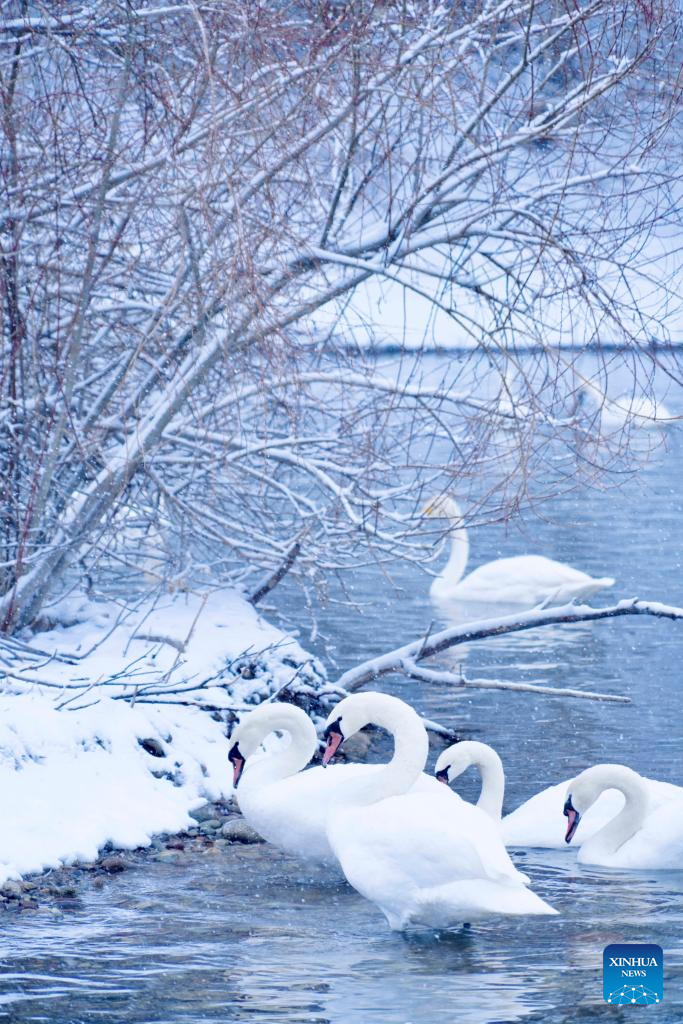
x=633, y=973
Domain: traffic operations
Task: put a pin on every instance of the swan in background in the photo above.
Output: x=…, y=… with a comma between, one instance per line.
x=457, y=758
x=616, y=413
x=286, y=805
x=536, y=822
x=524, y=579
x=643, y=835
x=423, y=858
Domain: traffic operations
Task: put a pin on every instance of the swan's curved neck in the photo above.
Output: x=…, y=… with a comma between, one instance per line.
x=612, y=836
x=411, y=747
x=492, y=780
x=285, y=760
x=454, y=569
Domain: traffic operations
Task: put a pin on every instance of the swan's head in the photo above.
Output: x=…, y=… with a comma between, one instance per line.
x=580, y=795
x=360, y=709
x=443, y=507
x=238, y=760
x=460, y=756
x=585, y=789
x=247, y=737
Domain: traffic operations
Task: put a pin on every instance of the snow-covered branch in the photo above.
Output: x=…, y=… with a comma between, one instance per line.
x=181, y=247
x=405, y=660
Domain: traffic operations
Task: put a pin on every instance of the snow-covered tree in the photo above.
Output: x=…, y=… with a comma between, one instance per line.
x=197, y=197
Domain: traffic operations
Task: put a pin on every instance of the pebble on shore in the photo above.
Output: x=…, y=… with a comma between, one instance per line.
x=218, y=826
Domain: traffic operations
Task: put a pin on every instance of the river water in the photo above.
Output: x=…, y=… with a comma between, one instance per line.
x=248, y=934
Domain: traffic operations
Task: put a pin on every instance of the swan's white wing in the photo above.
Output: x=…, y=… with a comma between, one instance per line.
x=292, y=813
x=526, y=578
x=657, y=846
x=428, y=859
x=428, y=838
x=466, y=901
x=661, y=792
x=537, y=570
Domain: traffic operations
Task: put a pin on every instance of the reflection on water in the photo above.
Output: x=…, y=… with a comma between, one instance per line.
x=249, y=934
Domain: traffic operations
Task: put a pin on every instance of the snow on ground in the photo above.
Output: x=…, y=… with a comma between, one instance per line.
x=73, y=774
x=422, y=306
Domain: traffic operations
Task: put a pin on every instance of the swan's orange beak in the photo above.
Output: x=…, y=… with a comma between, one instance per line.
x=335, y=737
x=237, y=761
x=442, y=776
x=573, y=818
x=334, y=742
x=237, y=769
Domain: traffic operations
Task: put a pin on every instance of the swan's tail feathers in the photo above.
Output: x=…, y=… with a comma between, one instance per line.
x=445, y=906
x=586, y=588
x=604, y=582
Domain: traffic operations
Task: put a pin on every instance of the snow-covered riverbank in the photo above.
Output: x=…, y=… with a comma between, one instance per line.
x=123, y=733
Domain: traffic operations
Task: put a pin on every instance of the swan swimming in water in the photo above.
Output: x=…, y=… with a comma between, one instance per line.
x=423, y=858
x=289, y=807
x=616, y=413
x=536, y=822
x=523, y=579
x=645, y=834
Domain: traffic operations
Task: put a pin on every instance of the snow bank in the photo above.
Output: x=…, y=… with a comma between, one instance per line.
x=75, y=779
x=408, y=311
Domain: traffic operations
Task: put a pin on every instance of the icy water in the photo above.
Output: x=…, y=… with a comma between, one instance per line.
x=251, y=935
x=247, y=934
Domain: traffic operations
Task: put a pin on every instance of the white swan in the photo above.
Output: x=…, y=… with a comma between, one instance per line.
x=286, y=805
x=616, y=413
x=645, y=834
x=423, y=858
x=524, y=579
x=536, y=822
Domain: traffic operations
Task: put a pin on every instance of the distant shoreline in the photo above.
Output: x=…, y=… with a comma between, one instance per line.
x=392, y=348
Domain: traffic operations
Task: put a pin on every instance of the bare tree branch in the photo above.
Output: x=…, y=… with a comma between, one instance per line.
x=404, y=660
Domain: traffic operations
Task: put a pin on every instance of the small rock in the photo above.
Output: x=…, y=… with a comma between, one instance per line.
x=113, y=865
x=167, y=856
x=211, y=824
x=175, y=844
x=66, y=892
x=203, y=813
x=236, y=830
x=152, y=746
x=11, y=890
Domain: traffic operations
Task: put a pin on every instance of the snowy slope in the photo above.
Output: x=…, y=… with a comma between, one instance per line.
x=76, y=778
